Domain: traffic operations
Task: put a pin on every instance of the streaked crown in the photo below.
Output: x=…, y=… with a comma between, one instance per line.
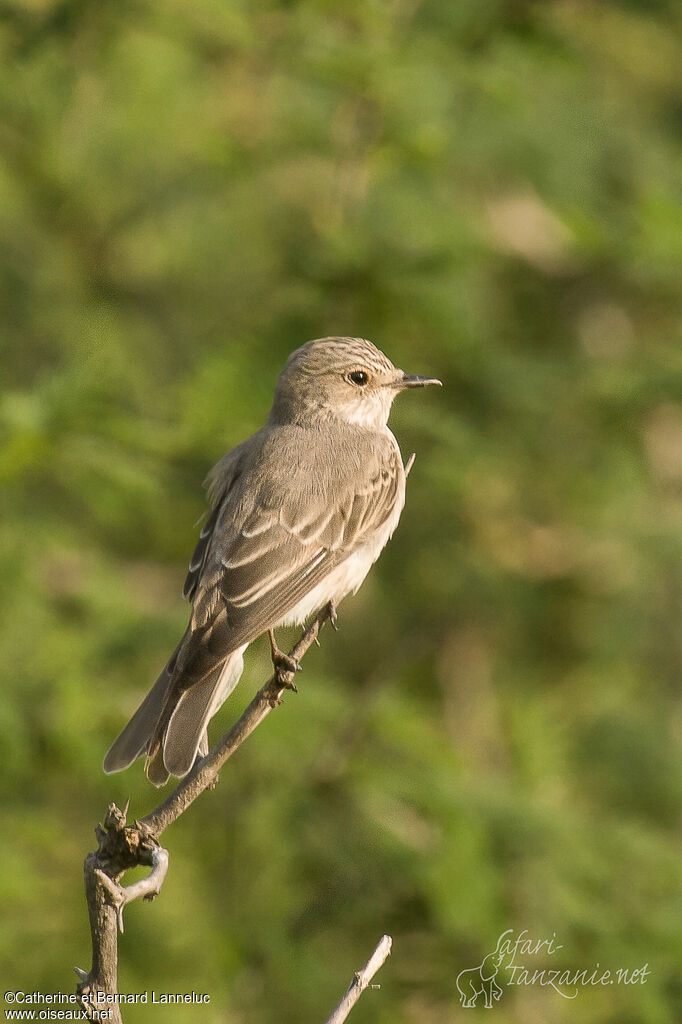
x=329, y=355
x=347, y=379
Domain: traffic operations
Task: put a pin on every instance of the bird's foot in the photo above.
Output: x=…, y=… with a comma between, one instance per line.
x=285, y=666
x=333, y=617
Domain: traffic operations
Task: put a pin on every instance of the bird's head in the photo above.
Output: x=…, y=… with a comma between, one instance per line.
x=348, y=379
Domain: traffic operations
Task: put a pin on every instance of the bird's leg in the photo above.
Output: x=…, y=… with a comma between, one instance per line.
x=333, y=617
x=285, y=666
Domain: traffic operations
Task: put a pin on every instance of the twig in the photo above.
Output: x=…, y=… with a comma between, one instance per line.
x=361, y=980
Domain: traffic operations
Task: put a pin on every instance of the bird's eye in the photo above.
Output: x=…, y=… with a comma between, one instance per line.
x=358, y=377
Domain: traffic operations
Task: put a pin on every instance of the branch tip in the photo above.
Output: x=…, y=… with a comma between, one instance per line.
x=361, y=980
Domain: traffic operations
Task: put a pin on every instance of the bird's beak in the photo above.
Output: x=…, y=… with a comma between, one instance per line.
x=411, y=380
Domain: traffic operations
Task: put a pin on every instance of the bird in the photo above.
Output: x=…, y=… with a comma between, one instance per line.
x=298, y=514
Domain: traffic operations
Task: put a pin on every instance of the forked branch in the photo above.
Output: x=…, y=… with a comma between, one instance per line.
x=123, y=846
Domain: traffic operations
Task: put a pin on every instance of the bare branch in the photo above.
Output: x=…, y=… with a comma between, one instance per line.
x=124, y=846
x=120, y=847
x=102, y=976
x=361, y=980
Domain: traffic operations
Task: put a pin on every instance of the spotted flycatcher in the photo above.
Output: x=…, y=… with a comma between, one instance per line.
x=299, y=513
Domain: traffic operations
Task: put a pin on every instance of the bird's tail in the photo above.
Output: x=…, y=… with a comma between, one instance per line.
x=172, y=745
x=185, y=734
x=132, y=742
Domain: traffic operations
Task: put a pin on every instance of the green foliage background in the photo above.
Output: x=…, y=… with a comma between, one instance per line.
x=491, y=191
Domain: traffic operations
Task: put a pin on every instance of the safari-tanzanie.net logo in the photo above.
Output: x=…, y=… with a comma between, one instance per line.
x=519, y=959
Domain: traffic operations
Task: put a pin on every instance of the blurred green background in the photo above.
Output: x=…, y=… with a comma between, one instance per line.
x=492, y=192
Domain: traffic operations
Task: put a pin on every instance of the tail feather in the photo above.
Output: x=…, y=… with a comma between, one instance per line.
x=186, y=734
x=203, y=744
x=155, y=769
x=170, y=728
x=132, y=742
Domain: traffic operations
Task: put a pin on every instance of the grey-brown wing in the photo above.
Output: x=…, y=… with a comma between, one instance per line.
x=251, y=577
x=220, y=482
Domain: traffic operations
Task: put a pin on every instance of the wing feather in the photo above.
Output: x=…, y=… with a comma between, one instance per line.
x=257, y=559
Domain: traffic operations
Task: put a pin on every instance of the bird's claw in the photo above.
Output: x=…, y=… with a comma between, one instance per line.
x=285, y=666
x=333, y=617
x=285, y=680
